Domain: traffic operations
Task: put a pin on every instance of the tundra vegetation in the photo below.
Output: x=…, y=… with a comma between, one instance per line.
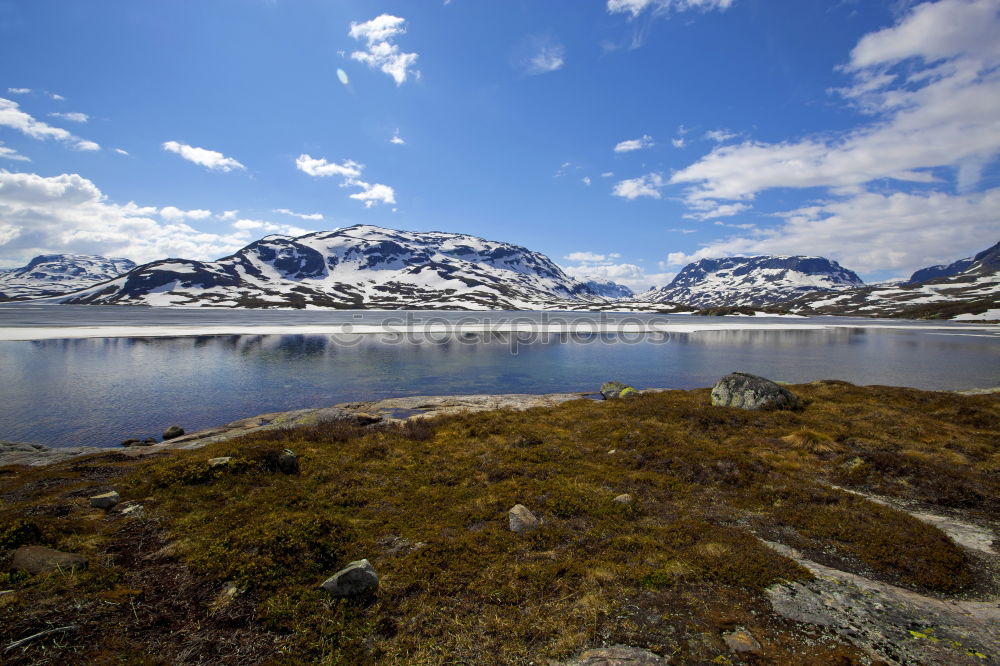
x=224, y=562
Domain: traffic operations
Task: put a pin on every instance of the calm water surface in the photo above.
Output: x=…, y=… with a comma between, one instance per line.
x=98, y=391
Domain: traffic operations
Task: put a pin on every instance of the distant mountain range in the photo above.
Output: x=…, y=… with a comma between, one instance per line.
x=50, y=274
x=371, y=267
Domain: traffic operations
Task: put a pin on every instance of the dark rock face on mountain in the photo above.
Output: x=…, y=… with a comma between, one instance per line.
x=357, y=267
x=966, y=289
x=51, y=274
x=753, y=281
x=609, y=289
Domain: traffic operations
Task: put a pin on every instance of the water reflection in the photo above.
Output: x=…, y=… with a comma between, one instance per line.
x=102, y=390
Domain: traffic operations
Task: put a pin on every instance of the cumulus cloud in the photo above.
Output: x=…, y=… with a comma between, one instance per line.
x=396, y=139
x=350, y=171
x=643, y=186
x=303, y=216
x=173, y=213
x=12, y=116
x=644, y=141
x=382, y=53
x=209, y=159
x=586, y=180
x=68, y=213
x=72, y=116
x=853, y=231
x=11, y=154
x=632, y=276
x=585, y=256
x=636, y=7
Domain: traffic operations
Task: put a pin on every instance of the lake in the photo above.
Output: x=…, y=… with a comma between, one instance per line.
x=91, y=375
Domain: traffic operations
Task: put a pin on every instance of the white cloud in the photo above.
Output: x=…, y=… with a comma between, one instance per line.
x=545, y=56
x=644, y=141
x=643, y=186
x=378, y=35
x=12, y=116
x=304, y=216
x=207, y=158
x=608, y=174
x=396, y=139
x=372, y=194
x=58, y=98
x=11, y=154
x=681, y=230
x=585, y=180
x=259, y=226
x=19, y=91
x=121, y=151
x=630, y=275
x=711, y=210
x=678, y=142
x=871, y=231
x=586, y=256
x=68, y=213
x=720, y=135
x=72, y=116
x=350, y=171
x=230, y=215
x=173, y=213
x=636, y=7
x=939, y=110
x=319, y=167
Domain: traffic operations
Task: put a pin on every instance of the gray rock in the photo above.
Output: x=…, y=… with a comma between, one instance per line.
x=131, y=441
x=39, y=559
x=740, y=640
x=172, y=432
x=745, y=391
x=357, y=579
x=624, y=498
x=106, y=500
x=618, y=655
x=612, y=390
x=134, y=511
x=149, y=441
x=288, y=462
x=521, y=520
x=221, y=460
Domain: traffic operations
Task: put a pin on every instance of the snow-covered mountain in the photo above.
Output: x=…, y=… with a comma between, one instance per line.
x=608, y=289
x=753, y=281
x=357, y=267
x=51, y=274
x=965, y=289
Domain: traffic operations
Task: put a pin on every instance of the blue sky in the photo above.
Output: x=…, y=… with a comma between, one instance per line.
x=623, y=138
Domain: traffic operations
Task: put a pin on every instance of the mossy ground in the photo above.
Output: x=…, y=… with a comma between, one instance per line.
x=427, y=504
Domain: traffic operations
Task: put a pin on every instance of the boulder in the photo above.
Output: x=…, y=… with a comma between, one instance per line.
x=39, y=559
x=172, y=432
x=357, y=579
x=521, y=520
x=106, y=500
x=131, y=441
x=612, y=390
x=745, y=391
x=624, y=498
x=149, y=441
x=618, y=655
x=288, y=462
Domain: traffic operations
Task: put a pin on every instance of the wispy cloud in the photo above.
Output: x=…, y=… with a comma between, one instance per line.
x=382, y=53
x=636, y=7
x=209, y=159
x=12, y=116
x=72, y=116
x=303, y=216
x=539, y=54
x=19, y=91
x=644, y=141
x=8, y=153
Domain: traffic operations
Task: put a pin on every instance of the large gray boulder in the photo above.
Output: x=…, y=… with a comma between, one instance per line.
x=521, y=519
x=39, y=559
x=746, y=391
x=357, y=579
x=612, y=390
x=173, y=432
x=106, y=500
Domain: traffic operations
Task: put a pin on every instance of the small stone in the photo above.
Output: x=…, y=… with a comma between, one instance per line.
x=172, y=432
x=288, y=462
x=131, y=441
x=521, y=520
x=105, y=501
x=624, y=498
x=612, y=452
x=618, y=655
x=612, y=390
x=148, y=441
x=355, y=580
x=221, y=460
x=741, y=640
x=39, y=559
x=133, y=511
